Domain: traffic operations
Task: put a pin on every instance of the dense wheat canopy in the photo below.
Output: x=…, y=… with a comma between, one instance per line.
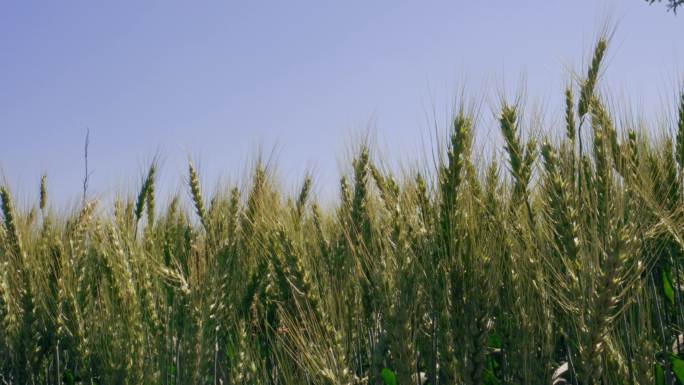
x=556, y=263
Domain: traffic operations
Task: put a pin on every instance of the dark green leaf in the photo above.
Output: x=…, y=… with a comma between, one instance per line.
x=668, y=289
x=69, y=377
x=659, y=375
x=388, y=377
x=677, y=368
x=489, y=376
x=494, y=340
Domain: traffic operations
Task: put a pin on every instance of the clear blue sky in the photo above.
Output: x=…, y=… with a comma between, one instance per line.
x=217, y=80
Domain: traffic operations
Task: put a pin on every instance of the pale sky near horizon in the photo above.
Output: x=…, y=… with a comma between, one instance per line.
x=219, y=81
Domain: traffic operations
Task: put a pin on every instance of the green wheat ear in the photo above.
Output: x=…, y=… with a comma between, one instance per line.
x=459, y=150
x=520, y=158
x=570, y=116
x=345, y=193
x=10, y=220
x=143, y=195
x=196, y=192
x=303, y=195
x=43, y=193
x=508, y=122
x=359, y=212
x=679, y=149
x=588, y=85
x=149, y=198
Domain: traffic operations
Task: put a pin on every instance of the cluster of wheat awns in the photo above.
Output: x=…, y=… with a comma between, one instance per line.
x=563, y=266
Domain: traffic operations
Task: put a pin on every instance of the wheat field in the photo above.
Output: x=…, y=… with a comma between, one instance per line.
x=556, y=263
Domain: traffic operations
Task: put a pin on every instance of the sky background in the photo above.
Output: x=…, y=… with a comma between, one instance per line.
x=300, y=82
